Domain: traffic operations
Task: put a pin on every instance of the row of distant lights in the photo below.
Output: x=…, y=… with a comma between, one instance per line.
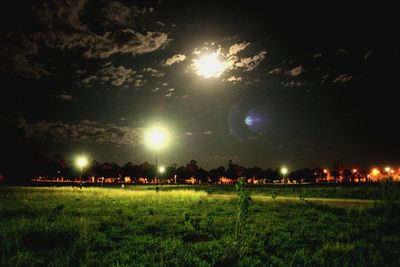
x=388, y=170
x=82, y=162
x=374, y=171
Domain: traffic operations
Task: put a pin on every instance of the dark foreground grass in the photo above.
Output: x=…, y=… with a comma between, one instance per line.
x=115, y=227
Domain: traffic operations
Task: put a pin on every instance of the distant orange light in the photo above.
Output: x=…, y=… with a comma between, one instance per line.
x=387, y=169
x=325, y=171
x=375, y=171
x=355, y=170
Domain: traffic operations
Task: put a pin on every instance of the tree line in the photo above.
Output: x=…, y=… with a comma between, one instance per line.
x=57, y=166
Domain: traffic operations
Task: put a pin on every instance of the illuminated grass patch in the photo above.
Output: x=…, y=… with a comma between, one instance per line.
x=128, y=227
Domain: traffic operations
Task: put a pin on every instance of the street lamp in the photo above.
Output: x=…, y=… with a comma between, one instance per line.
x=388, y=171
x=156, y=138
x=81, y=161
x=284, y=171
x=161, y=170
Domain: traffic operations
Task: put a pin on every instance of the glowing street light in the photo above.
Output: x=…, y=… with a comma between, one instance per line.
x=284, y=171
x=389, y=171
x=81, y=162
x=156, y=138
x=161, y=170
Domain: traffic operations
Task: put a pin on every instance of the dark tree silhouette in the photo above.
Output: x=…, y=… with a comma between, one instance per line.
x=306, y=175
x=235, y=171
x=202, y=175
x=270, y=175
x=217, y=173
x=335, y=174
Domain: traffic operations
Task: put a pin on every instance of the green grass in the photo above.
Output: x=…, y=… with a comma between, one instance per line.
x=351, y=191
x=179, y=226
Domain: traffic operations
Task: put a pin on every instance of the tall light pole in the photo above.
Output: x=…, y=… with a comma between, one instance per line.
x=161, y=170
x=388, y=171
x=81, y=161
x=156, y=138
x=284, y=171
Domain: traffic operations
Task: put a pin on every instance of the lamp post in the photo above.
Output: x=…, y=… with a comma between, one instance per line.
x=81, y=161
x=161, y=170
x=388, y=171
x=284, y=171
x=156, y=138
x=156, y=168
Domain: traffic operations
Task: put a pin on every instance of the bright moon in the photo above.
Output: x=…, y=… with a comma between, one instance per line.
x=209, y=66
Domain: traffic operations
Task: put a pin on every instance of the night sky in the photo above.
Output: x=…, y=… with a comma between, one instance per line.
x=299, y=85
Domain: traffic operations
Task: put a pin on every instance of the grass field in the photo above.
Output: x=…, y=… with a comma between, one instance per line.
x=195, y=226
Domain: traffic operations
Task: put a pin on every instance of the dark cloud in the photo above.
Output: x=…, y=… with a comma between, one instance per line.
x=124, y=41
x=88, y=80
x=61, y=14
x=236, y=48
x=65, y=97
x=109, y=74
x=343, y=78
x=116, y=13
x=29, y=69
x=234, y=79
x=296, y=71
x=275, y=71
x=153, y=72
x=218, y=160
x=292, y=83
x=83, y=131
x=16, y=52
x=250, y=63
x=60, y=27
x=342, y=51
x=367, y=55
x=175, y=59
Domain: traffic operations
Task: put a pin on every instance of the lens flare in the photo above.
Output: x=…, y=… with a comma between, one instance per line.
x=254, y=120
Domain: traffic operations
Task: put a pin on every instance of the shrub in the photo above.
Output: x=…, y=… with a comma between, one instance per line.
x=243, y=205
